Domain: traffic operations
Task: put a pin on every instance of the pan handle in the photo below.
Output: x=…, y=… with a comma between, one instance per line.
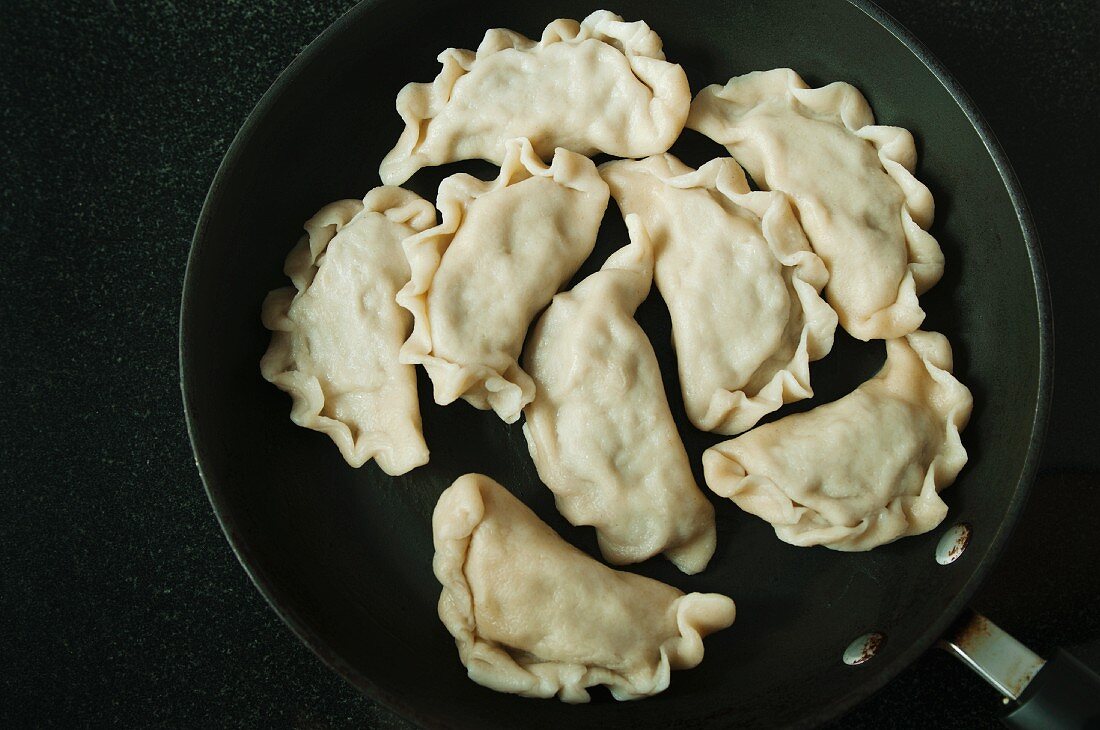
x=1043, y=695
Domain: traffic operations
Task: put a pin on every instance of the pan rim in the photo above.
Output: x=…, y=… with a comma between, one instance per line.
x=1041, y=414
x=283, y=607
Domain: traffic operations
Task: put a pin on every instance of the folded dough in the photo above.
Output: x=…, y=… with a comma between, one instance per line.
x=504, y=249
x=534, y=616
x=851, y=182
x=600, y=430
x=602, y=85
x=741, y=284
x=861, y=471
x=336, y=332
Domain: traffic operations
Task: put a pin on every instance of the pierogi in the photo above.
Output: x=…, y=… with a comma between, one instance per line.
x=601, y=85
x=850, y=181
x=336, y=333
x=503, y=250
x=741, y=284
x=534, y=616
x=864, y=470
x=600, y=430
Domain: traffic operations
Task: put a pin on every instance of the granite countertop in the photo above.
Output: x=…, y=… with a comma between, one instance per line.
x=120, y=600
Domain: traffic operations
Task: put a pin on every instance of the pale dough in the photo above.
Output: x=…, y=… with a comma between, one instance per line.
x=741, y=284
x=336, y=333
x=601, y=85
x=504, y=249
x=861, y=471
x=851, y=182
x=534, y=616
x=600, y=430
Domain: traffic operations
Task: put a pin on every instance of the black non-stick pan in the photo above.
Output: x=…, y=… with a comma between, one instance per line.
x=344, y=555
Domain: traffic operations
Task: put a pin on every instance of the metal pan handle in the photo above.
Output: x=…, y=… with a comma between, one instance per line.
x=1043, y=695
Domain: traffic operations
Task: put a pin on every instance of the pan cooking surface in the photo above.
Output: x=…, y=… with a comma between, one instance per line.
x=344, y=555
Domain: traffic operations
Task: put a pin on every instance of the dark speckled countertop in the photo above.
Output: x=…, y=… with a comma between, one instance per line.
x=120, y=601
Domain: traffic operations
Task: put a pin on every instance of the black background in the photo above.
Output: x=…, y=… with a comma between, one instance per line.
x=121, y=602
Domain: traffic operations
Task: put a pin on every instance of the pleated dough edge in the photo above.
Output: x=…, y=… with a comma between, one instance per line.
x=419, y=103
x=733, y=412
x=505, y=392
x=277, y=365
x=753, y=493
x=457, y=515
x=632, y=261
x=897, y=154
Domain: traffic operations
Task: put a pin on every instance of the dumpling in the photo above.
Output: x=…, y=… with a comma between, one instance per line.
x=851, y=182
x=741, y=284
x=336, y=333
x=602, y=85
x=534, y=616
x=600, y=430
x=504, y=249
x=864, y=470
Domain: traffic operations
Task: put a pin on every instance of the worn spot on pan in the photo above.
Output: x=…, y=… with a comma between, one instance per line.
x=864, y=648
x=951, y=546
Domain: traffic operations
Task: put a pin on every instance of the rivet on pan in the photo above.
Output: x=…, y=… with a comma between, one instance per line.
x=952, y=544
x=864, y=648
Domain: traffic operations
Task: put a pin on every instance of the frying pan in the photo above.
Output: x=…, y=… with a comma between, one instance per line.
x=344, y=555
